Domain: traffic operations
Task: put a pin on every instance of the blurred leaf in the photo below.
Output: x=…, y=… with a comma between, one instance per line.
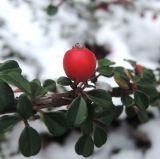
x=105, y=62
x=84, y=146
x=6, y=96
x=142, y=116
x=149, y=90
x=49, y=85
x=64, y=81
x=56, y=122
x=122, y=82
x=133, y=63
x=141, y=100
x=51, y=10
x=9, y=66
x=130, y=111
x=105, y=71
x=29, y=142
x=127, y=101
x=78, y=112
x=18, y=80
x=7, y=122
x=36, y=88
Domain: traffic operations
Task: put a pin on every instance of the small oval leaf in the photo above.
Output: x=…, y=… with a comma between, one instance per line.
x=24, y=106
x=7, y=122
x=49, y=85
x=78, y=112
x=100, y=137
x=84, y=146
x=56, y=123
x=141, y=100
x=29, y=142
x=64, y=81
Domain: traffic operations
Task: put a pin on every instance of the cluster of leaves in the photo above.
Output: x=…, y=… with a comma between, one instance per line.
x=91, y=110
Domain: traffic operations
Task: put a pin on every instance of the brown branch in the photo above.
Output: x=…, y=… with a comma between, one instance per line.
x=61, y=99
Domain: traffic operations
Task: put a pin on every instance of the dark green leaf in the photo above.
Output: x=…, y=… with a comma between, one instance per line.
x=84, y=146
x=7, y=122
x=64, y=81
x=105, y=71
x=18, y=80
x=49, y=85
x=130, y=111
x=56, y=123
x=78, y=112
x=142, y=116
x=127, y=101
x=6, y=96
x=9, y=66
x=29, y=142
x=87, y=126
x=52, y=10
x=36, y=89
x=105, y=62
x=141, y=100
x=107, y=116
x=100, y=136
x=100, y=97
x=149, y=90
x=24, y=106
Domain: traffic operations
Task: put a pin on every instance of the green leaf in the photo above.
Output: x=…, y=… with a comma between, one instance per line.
x=87, y=127
x=51, y=10
x=149, y=90
x=49, y=85
x=133, y=63
x=56, y=123
x=6, y=96
x=78, y=112
x=9, y=66
x=18, y=80
x=84, y=146
x=36, y=89
x=64, y=81
x=108, y=116
x=127, y=101
x=130, y=111
x=100, y=97
x=7, y=122
x=29, y=142
x=105, y=62
x=142, y=116
x=24, y=106
x=100, y=136
x=141, y=100
x=105, y=71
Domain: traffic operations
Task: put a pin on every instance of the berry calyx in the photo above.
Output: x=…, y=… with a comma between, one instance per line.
x=79, y=64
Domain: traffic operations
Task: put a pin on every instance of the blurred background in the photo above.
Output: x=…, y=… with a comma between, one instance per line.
x=37, y=33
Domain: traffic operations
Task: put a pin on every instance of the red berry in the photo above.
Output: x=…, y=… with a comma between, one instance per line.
x=79, y=64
